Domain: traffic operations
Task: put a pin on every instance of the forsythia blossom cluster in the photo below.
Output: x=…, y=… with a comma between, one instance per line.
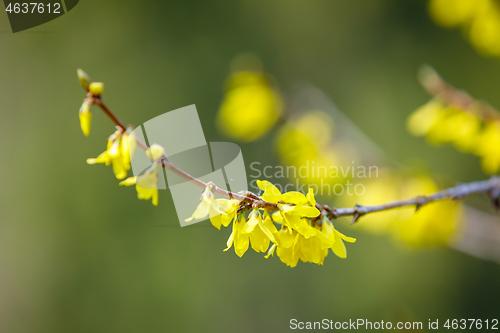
x=303, y=233
x=478, y=19
x=442, y=123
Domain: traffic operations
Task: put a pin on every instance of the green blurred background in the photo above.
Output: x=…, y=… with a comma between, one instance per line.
x=80, y=254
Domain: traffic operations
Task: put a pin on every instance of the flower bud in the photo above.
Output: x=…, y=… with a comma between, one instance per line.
x=85, y=118
x=83, y=78
x=155, y=152
x=96, y=88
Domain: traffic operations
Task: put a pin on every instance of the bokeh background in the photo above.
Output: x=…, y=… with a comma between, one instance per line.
x=80, y=254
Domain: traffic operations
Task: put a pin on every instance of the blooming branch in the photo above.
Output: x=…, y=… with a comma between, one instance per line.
x=306, y=229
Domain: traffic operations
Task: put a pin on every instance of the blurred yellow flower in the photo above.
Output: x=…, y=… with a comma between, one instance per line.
x=432, y=224
x=307, y=144
x=488, y=147
x=254, y=231
x=462, y=128
x=479, y=19
x=251, y=106
x=380, y=190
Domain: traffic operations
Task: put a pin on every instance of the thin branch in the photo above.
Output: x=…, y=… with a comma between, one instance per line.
x=165, y=162
x=438, y=87
x=490, y=187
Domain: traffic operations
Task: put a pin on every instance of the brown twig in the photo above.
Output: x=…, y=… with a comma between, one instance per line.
x=491, y=186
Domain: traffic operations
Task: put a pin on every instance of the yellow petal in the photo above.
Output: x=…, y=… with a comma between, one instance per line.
x=154, y=199
x=241, y=240
x=300, y=225
x=294, y=197
x=267, y=232
x=271, y=192
x=230, y=240
x=345, y=238
x=276, y=216
x=201, y=211
x=129, y=181
x=271, y=251
x=338, y=247
x=85, y=122
x=305, y=211
x=252, y=222
x=310, y=197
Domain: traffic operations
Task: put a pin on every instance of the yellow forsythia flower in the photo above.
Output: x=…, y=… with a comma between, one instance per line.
x=299, y=237
x=208, y=205
x=256, y=231
x=146, y=184
x=251, y=106
x=120, y=147
x=293, y=207
x=85, y=118
x=229, y=207
x=293, y=246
